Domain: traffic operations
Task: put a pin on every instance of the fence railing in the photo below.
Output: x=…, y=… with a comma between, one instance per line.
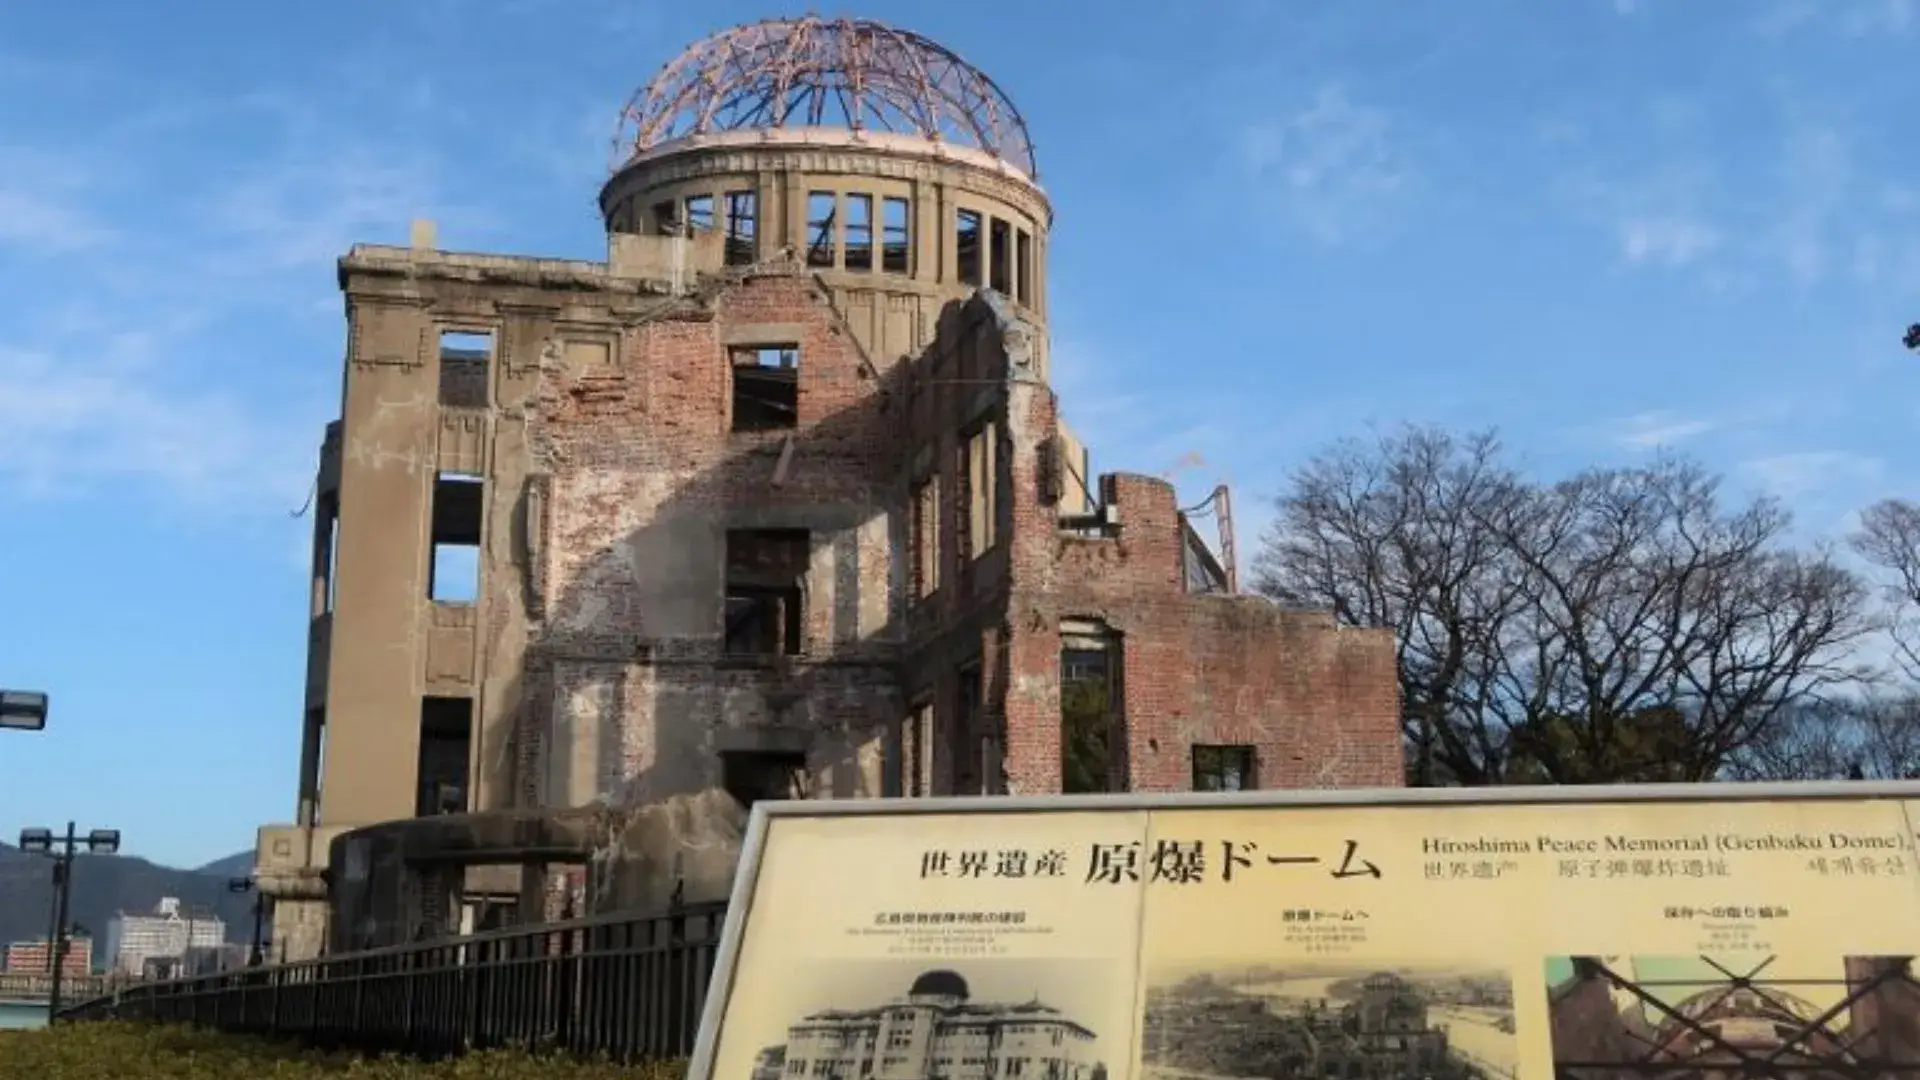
x=26, y=985
x=627, y=987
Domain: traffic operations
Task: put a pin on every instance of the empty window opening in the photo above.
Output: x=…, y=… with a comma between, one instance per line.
x=926, y=537
x=326, y=553
x=1223, y=768
x=740, y=227
x=333, y=559
x=896, y=256
x=699, y=215
x=463, y=368
x=666, y=219
x=969, y=729
x=966, y=247
x=313, y=749
x=982, y=476
x=1000, y=253
x=1089, y=702
x=1023, y=267
x=454, y=577
x=766, y=387
x=446, y=737
x=752, y=775
x=766, y=591
x=860, y=232
x=820, y=214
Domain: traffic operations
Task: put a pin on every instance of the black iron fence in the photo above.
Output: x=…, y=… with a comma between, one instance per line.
x=630, y=988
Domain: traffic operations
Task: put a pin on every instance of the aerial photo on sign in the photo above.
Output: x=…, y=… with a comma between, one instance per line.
x=1329, y=1020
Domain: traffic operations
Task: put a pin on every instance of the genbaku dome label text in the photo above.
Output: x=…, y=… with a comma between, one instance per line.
x=1697, y=842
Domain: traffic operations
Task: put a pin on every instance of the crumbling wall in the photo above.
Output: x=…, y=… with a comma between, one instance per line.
x=1317, y=704
x=644, y=479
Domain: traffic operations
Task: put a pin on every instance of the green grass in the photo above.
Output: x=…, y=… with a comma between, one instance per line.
x=122, y=1051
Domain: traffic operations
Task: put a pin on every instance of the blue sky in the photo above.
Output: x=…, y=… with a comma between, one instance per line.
x=1601, y=225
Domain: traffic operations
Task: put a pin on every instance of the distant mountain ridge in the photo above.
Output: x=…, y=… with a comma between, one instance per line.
x=239, y=864
x=104, y=885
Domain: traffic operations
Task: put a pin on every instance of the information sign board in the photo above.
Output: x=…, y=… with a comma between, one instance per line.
x=1595, y=934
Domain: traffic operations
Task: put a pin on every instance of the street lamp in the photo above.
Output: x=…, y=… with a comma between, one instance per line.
x=1912, y=338
x=249, y=885
x=61, y=849
x=23, y=710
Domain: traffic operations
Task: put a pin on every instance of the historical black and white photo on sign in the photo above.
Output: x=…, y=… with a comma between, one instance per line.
x=1352, y=1020
x=931, y=1019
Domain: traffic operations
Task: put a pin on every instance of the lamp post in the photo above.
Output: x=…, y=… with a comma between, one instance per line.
x=249, y=885
x=61, y=849
x=23, y=710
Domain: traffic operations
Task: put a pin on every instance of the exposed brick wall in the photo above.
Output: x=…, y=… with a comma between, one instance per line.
x=646, y=479
x=1317, y=703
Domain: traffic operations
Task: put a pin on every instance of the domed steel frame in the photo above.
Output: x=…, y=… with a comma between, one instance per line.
x=855, y=74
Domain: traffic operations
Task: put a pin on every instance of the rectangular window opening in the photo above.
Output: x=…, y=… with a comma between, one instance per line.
x=1000, y=252
x=666, y=219
x=926, y=537
x=766, y=387
x=326, y=559
x=969, y=728
x=820, y=214
x=446, y=737
x=464, y=355
x=1223, y=768
x=1089, y=702
x=753, y=775
x=860, y=232
x=896, y=256
x=699, y=216
x=982, y=477
x=454, y=577
x=966, y=247
x=1023, y=268
x=765, y=603
x=741, y=210
x=313, y=751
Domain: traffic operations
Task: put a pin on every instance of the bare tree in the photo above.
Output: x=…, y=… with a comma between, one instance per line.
x=1393, y=534
x=1889, y=540
x=1621, y=625
x=1857, y=738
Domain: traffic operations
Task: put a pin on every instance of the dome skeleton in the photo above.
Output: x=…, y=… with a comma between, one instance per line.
x=857, y=74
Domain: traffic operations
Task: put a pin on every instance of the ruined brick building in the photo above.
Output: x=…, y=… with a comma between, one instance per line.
x=776, y=501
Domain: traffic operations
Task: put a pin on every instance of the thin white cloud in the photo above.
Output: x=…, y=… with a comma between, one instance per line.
x=42, y=204
x=1804, y=476
x=307, y=209
x=1334, y=163
x=106, y=413
x=1846, y=18
x=1671, y=241
x=1659, y=430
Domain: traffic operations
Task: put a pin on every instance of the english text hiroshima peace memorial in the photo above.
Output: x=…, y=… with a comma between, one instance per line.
x=774, y=502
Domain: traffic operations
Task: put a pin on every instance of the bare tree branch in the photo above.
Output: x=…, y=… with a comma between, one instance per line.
x=1619, y=625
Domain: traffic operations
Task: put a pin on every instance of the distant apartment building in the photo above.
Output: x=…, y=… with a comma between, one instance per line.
x=31, y=957
x=168, y=933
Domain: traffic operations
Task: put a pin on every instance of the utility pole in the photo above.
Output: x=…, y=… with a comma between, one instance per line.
x=61, y=849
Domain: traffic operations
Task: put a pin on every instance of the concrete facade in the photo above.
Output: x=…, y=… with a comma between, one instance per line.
x=776, y=501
